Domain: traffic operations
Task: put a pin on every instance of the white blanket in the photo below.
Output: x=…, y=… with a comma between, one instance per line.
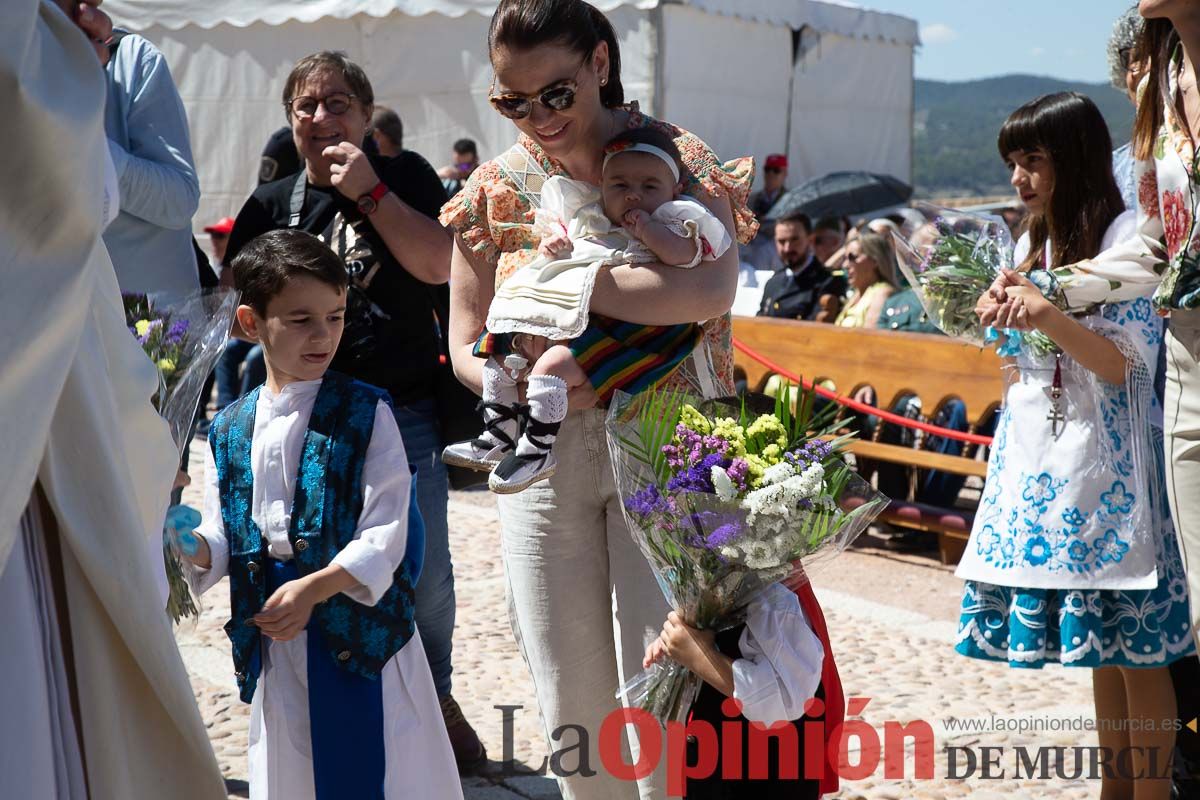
x=550, y=296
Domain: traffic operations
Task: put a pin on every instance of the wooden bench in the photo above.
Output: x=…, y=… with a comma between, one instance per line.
x=934, y=368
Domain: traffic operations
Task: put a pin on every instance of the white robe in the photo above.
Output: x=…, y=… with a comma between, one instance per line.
x=419, y=761
x=75, y=393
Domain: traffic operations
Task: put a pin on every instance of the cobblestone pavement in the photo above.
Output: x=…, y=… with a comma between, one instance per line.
x=891, y=618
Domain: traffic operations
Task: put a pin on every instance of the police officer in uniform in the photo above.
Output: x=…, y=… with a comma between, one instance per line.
x=802, y=288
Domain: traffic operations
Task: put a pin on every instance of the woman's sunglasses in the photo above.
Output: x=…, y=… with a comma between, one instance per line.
x=558, y=97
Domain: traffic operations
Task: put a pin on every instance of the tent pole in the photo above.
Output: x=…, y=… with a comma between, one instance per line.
x=657, y=86
x=787, y=141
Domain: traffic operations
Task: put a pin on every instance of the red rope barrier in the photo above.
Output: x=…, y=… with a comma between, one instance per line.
x=887, y=416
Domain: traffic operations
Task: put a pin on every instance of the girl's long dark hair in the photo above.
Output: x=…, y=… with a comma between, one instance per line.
x=580, y=26
x=1153, y=50
x=1084, y=199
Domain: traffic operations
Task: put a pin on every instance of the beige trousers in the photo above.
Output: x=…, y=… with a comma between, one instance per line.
x=1181, y=426
x=582, y=601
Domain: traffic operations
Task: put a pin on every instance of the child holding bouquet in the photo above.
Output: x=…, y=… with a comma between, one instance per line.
x=773, y=664
x=308, y=509
x=1072, y=557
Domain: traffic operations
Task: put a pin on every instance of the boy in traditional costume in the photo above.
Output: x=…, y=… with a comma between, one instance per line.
x=308, y=509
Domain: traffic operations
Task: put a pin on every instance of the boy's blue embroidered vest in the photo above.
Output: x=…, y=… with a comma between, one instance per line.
x=325, y=511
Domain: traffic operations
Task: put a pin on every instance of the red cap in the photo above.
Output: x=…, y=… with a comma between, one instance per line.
x=776, y=161
x=223, y=225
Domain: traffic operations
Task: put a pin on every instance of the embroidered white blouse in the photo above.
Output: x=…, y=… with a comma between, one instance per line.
x=280, y=422
x=780, y=667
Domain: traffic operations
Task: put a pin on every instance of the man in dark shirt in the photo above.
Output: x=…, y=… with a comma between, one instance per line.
x=803, y=288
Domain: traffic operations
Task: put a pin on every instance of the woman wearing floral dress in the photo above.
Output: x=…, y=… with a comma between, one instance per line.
x=583, y=602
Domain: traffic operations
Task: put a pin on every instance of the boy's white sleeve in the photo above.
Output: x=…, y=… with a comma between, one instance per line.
x=212, y=528
x=382, y=533
x=780, y=667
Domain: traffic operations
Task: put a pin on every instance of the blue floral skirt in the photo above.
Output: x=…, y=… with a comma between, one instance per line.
x=1077, y=627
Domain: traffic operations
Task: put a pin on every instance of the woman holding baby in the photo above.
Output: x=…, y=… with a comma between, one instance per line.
x=583, y=602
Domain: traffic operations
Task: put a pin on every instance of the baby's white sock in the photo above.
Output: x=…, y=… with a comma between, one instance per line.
x=547, y=397
x=499, y=387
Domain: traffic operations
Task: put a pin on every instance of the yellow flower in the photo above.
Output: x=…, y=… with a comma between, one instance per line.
x=166, y=366
x=692, y=419
x=768, y=428
x=757, y=466
x=772, y=454
x=142, y=326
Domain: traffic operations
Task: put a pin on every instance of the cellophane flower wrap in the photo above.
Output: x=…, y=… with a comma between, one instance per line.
x=725, y=498
x=184, y=338
x=950, y=262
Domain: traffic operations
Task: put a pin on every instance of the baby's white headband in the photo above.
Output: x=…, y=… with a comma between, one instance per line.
x=641, y=147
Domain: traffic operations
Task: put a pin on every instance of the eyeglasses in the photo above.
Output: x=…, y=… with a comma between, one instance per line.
x=772, y=169
x=557, y=97
x=305, y=107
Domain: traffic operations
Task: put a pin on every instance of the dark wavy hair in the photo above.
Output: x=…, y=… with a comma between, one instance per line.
x=579, y=26
x=1084, y=199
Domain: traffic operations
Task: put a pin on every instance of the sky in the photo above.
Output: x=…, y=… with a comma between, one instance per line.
x=969, y=39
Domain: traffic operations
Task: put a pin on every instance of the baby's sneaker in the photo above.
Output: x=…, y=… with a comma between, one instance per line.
x=516, y=473
x=502, y=423
x=479, y=454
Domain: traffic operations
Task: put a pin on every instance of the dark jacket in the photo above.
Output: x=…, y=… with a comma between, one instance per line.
x=796, y=294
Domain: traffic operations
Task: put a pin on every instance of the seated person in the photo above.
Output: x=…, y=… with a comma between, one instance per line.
x=871, y=269
x=803, y=288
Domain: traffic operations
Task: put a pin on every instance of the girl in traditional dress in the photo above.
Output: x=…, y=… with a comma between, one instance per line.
x=1073, y=557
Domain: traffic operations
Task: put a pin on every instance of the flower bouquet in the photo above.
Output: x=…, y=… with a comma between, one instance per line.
x=725, y=498
x=950, y=262
x=184, y=339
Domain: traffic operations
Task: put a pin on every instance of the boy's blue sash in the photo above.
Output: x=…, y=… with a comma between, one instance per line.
x=345, y=712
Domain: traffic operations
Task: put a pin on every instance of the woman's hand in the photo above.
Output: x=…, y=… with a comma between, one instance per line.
x=350, y=172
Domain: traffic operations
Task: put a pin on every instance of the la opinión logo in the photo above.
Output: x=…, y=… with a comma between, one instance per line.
x=794, y=757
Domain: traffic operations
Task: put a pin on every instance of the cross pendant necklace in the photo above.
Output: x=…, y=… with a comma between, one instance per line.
x=1056, y=416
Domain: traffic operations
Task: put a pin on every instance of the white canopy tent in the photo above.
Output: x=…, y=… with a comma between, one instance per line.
x=725, y=69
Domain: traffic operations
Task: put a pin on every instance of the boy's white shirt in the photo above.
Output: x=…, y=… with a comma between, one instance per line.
x=782, y=658
x=280, y=423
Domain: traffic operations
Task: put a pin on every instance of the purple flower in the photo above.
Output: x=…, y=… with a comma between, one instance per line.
x=698, y=478
x=739, y=472
x=649, y=501
x=723, y=535
x=176, y=332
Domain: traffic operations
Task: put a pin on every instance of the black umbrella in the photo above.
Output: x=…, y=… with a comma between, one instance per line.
x=842, y=194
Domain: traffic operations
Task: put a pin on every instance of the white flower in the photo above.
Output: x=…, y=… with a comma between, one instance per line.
x=723, y=484
x=777, y=473
x=731, y=552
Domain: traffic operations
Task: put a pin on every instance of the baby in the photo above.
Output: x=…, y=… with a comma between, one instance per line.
x=639, y=214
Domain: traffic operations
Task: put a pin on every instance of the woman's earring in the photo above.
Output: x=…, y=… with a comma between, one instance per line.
x=604, y=81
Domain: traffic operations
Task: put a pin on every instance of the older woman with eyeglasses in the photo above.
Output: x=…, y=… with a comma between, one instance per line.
x=379, y=216
x=584, y=603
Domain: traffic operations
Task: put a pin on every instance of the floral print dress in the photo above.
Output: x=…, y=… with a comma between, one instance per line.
x=1072, y=557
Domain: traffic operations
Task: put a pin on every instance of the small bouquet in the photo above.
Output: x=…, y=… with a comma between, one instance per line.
x=725, y=498
x=184, y=339
x=950, y=262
